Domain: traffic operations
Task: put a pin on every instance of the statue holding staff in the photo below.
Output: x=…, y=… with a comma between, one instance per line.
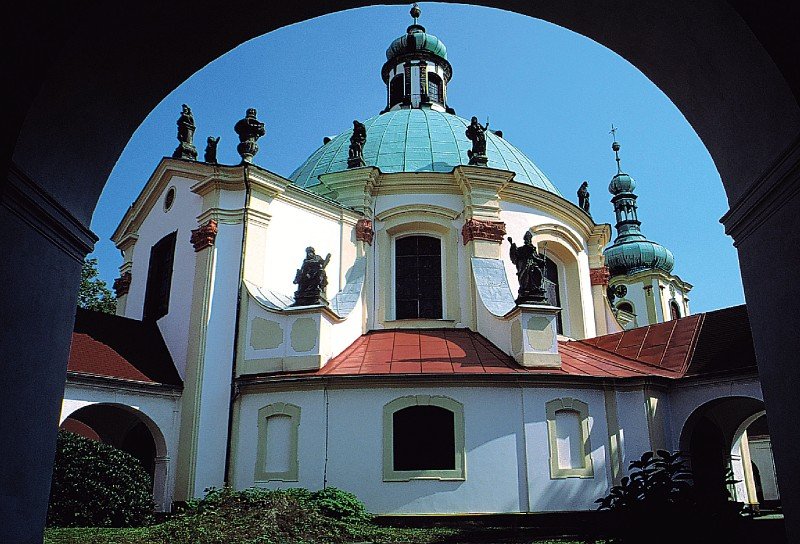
x=530, y=270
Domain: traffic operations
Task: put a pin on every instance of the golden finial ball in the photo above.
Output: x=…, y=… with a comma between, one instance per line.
x=615, y=147
x=415, y=11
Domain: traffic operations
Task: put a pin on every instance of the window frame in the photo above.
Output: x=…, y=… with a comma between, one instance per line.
x=442, y=271
x=582, y=409
x=261, y=475
x=459, y=473
x=438, y=82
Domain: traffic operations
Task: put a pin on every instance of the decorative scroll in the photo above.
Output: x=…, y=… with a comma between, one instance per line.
x=204, y=236
x=479, y=229
x=364, y=232
x=122, y=284
x=599, y=276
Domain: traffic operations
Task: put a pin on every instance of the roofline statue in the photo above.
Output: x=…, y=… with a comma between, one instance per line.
x=477, y=134
x=583, y=197
x=210, y=154
x=249, y=130
x=186, y=148
x=357, y=141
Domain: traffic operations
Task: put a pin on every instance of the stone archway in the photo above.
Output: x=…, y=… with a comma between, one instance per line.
x=709, y=436
x=130, y=430
x=83, y=78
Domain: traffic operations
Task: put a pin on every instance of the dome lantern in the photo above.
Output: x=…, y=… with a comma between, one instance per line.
x=416, y=71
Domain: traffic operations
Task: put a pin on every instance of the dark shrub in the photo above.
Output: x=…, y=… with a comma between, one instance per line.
x=657, y=503
x=337, y=504
x=97, y=485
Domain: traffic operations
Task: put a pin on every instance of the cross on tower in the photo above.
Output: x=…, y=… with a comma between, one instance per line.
x=613, y=131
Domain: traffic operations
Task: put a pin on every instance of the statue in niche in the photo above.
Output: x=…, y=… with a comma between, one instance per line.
x=249, y=130
x=311, y=280
x=530, y=271
x=357, y=141
x=185, y=149
x=583, y=197
x=210, y=154
x=477, y=134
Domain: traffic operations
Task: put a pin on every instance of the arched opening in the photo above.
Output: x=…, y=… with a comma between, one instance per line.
x=129, y=430
x=396, y=90
x=418, y=277
x=553, y=290
x=435, y=88
x=674, y=310
x=715, y=436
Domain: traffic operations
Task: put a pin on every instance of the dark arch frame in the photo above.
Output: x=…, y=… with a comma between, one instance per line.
x=727, y=65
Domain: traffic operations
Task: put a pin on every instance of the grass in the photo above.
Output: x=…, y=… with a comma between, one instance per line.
x=156, y=535
x=296, y=516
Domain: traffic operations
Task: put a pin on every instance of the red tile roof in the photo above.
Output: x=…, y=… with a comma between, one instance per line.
x=451, y=351
x=89, y=356
x=117, y=347
x=665, y=349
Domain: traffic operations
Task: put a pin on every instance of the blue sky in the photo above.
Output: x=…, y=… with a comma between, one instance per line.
x=552, y=92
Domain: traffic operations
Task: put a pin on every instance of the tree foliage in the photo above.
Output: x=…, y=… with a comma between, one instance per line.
x=97, y=485
x=93, y=293
x=658, y=503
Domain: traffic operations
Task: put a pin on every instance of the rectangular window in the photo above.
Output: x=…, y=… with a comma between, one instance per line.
x=159, y=278
x=418, y=278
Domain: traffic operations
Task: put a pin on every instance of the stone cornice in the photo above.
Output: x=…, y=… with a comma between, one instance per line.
x=425, y=209
x=646, y=274
x=80, y=379
x=23, y=197
x=166, y=169
x=779, y=183
x=570, y=213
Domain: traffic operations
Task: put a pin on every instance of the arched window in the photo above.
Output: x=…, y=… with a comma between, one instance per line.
x=276, y=455
x=423, y=438
x=568, y=437
x=674, y=310
x=159, y=278
x=625, y=307
x=435, y=88
x=552, y=290
x=396, y=90
x=418, y=278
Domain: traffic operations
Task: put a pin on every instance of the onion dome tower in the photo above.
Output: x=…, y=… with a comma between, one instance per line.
x=631, y=252
x=416, y=72
x=642, y=288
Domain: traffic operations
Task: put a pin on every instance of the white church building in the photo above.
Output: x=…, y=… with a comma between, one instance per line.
x=417, y=382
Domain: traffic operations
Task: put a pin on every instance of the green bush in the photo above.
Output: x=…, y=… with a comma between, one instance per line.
x=337, y=504
x=97, y=485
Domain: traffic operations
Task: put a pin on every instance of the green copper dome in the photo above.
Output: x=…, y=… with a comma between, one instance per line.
x=621, y=183
x=637, y=255
x=418, y=140
x=416, y=39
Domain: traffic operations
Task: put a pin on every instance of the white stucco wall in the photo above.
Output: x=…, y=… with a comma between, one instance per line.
x=182, y=217
x=291, y=230
x=687, y=397
x=506, y=442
